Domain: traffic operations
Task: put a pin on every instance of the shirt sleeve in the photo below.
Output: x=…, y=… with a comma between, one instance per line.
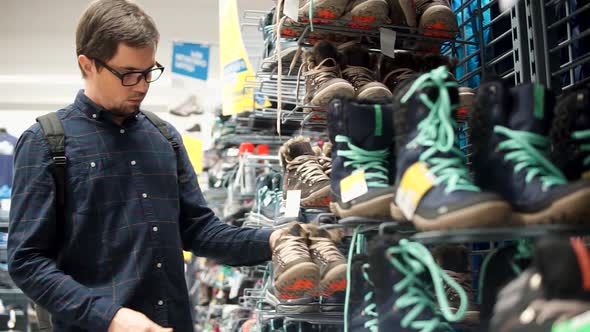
x=33, y=241
x=204, y=234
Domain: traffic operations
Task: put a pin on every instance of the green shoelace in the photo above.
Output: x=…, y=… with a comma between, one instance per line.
x=374, y=163
x=412, y=259
x=437, y=133
x=371, y=308
x=528, y=152
x=583, y=135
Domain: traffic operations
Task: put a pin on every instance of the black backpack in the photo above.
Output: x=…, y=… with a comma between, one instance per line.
x=54, y=135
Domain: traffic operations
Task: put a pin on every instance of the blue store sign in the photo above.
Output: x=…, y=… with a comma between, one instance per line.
x=191, y=60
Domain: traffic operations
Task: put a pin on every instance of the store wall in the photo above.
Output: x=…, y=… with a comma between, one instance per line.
x=38, y=69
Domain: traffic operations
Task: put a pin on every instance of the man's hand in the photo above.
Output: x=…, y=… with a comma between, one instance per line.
x=127, y=320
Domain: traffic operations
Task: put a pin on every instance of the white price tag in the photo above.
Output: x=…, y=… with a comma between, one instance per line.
x=388, y=38
x=291, y=9
x=5, y=204
x=293, y=203
x=353, y=186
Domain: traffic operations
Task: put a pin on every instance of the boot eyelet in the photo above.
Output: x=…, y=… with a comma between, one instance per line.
x=535, y=281
x=527, y=316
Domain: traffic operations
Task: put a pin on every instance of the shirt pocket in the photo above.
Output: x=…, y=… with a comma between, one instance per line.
x=98, y=184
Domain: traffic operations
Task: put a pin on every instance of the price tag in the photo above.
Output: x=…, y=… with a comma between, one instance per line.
x=353, y=186
x=236, y=282
x=293, y=203
x=415, y=183
x=388, y=38
x=291, y=9
x=5, y=204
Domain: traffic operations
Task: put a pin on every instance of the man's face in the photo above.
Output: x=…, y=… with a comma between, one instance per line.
x=111, y=94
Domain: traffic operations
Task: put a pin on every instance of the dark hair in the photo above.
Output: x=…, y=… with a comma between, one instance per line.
x=106, y=23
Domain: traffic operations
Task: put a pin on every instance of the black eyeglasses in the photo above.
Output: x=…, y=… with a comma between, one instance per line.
x=134, y=77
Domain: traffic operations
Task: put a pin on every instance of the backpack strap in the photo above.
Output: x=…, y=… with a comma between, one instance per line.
x=161, y=125
x=54, y=135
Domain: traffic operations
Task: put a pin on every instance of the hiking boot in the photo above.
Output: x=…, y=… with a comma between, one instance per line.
x=549, y=293
x=267, y=201
x=323, y=79
x=356, y=63
x=294, y=272
x=511, y=155
x=405, y=278
x=302, y=171
x=288, y=53
x=360, y=310
x=436, y=18
x=394, y=71
x=322, y=10
x=362, y=136
x=361, y=12
x=570, y=135
x=454, y=260
x=427, y=152
x=332, y=263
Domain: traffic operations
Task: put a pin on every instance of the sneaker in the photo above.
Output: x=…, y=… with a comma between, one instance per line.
x=195, y=128
x=570, y=135
x=356, y=62
x=549, y=293
x=426, y=141
x=361, y=12
x=267, y=201
x=302, y=171
x=306, y=304
x=511, y=155
x=323, y=79
x=454, y=260
x=394, y=71
x=294, y=272
x=189, y=107
x=406, y=277
x=332, y=263
x=362, y=134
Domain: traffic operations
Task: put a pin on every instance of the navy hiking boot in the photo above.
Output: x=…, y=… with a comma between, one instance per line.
x=511, y=155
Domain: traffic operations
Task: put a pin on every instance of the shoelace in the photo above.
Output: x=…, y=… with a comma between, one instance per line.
x=308, y=168
x=326, y=163
x=374, y=163
x=358, y=76
x=557, y=310
x=291, y=247
x=371, y=307
x=529, y=152
x=326, y=248
x=413, y=259
x=399, y=75
x=317, y=75
x=583, y=135
x=463, y=280
x=356, y=243
x=437, y=133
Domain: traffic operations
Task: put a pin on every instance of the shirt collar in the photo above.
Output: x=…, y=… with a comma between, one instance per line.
x=94, y=111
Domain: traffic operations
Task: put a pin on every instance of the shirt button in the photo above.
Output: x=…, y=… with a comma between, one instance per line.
x=159, y=265
x=93, y=164
x=144, y=195
x=122, y=131
x=160, y=302
x=155, y=228
x=133, y=163
x=94, y=116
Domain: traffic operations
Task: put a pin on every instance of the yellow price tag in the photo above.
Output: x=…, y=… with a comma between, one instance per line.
x=415, y=183
x=353, y=186
x=586, y=175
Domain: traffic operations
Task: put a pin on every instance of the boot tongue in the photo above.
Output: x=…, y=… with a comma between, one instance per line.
x=370, y=125
x=295, y=230
x=299, y=149
x=325, y=50
x=357, y=56
x=532, y=109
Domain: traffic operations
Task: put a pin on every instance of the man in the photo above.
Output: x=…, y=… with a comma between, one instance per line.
x=115, y=256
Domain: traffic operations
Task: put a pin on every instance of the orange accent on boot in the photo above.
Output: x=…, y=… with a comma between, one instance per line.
x=583, y=261
x=462, y=114
x=285, y=296
x=301, y=284
x=337, y=286
x=289, y=32
x=326, y=13
x=438, y=26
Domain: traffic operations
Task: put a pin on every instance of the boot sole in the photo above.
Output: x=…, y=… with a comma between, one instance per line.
x=320, y=198
x=440, y=21
x=374, y=208
x=490, y=214
x=572, y=209
x=334, y=281
x=342, y=89
x=375, y=93
x=297, y=281
x=373, y=11
x=322, y=10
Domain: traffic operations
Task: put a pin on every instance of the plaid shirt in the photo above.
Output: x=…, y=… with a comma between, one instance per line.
x=126, y=222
